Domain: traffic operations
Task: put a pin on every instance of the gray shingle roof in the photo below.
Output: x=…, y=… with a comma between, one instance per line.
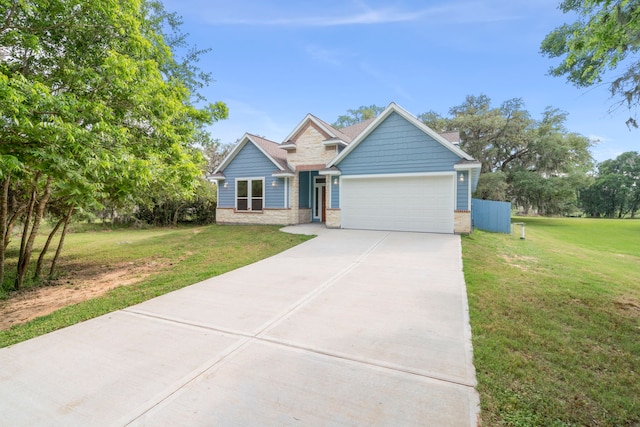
x=354, y=130
x=452, y=136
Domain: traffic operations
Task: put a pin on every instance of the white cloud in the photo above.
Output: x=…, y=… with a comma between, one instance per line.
x=350, y=13
x=381, y=16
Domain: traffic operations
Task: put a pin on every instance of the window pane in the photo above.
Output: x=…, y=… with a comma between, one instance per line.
x=256, y=204
x=243, y=187
x=256, y=188
x=242, y=204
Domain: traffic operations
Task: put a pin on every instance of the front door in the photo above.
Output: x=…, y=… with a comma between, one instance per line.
x=319, y=197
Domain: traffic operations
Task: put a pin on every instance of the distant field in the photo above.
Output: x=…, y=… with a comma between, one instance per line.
x=103, y=270
x=556, y=322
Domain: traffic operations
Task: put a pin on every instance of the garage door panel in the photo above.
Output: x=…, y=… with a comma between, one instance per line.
x=399, y=203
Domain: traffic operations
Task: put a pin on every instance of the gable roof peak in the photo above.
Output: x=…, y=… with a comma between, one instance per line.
x=395, y=108
x=269, y=148
x=328, y=129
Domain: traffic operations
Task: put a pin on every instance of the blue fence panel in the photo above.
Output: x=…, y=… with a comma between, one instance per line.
x=490, y=215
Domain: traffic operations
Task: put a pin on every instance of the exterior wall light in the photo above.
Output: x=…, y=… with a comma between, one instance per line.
x=274, y=183
x=461, y=177
x=335, y=181
x=226, y=184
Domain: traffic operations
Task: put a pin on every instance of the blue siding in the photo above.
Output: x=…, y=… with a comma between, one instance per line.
x=304, y=190
x=251, y=163
x=462, y=195
x=491, y=216
x=335, y=193
x=397, y=146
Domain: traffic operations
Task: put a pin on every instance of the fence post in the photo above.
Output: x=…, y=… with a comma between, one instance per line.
x=521, y=224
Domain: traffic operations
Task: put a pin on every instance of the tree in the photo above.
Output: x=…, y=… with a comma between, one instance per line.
x=358, y=115
x=605, y=37
x=215, y=153
x=494, y=136
x=435, y=121
x=493, y=186
x=95, y=107
x=527, y=160
x=616, y=189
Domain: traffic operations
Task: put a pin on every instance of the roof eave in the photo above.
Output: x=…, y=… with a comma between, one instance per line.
x=333, y=142
x=330, y=171
x=467, y=166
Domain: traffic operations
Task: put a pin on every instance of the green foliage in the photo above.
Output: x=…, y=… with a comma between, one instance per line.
x=358, y=115
x=603, y=38
x=493, y=186
x=197, y=208
x=96, y=109
x=215, y=153
x=435, y=121
x=552, y=195
x=616, y=189
x=555, y=322
x=536, y=163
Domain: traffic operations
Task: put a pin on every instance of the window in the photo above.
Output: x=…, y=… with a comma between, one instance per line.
x=250, y=194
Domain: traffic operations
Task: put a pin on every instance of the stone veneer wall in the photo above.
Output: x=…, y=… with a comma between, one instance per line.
x=304, y=216
x=268, y=216
x=333, y=217
x=309, y=148
x=294, y=183
x=462, y=222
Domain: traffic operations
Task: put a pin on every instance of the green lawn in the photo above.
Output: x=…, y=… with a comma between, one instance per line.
x=556, y=322
x=182, y=257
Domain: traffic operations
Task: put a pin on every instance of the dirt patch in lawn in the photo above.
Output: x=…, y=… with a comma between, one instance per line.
x=629, y=304
x=519, y=261
x=79, y=284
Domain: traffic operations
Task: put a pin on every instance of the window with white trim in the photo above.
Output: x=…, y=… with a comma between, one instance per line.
x=249, y=194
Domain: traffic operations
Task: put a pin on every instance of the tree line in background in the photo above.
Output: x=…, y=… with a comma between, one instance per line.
x=538, y=165
x=97, y=113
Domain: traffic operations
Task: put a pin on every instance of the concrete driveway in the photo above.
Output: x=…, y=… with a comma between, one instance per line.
x=350, y=328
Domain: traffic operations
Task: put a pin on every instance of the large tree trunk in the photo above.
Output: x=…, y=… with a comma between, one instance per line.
x=61, y=242
x=4, y=211
x=26, y=248
x=36, y=275
x=176, y=215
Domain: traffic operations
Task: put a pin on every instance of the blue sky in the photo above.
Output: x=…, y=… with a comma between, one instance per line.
x=275, y=61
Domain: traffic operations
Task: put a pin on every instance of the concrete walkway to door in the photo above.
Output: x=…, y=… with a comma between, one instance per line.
x=352, y=328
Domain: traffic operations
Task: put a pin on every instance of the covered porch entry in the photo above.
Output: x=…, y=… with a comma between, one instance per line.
x=312, y=195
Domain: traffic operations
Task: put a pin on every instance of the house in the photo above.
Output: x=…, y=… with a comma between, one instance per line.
x=388, y=173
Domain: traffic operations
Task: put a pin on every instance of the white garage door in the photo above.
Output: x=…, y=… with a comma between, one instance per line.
x=416, y=203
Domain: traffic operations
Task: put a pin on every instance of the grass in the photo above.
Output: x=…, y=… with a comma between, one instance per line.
x=556, y=322
x=184, y=256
